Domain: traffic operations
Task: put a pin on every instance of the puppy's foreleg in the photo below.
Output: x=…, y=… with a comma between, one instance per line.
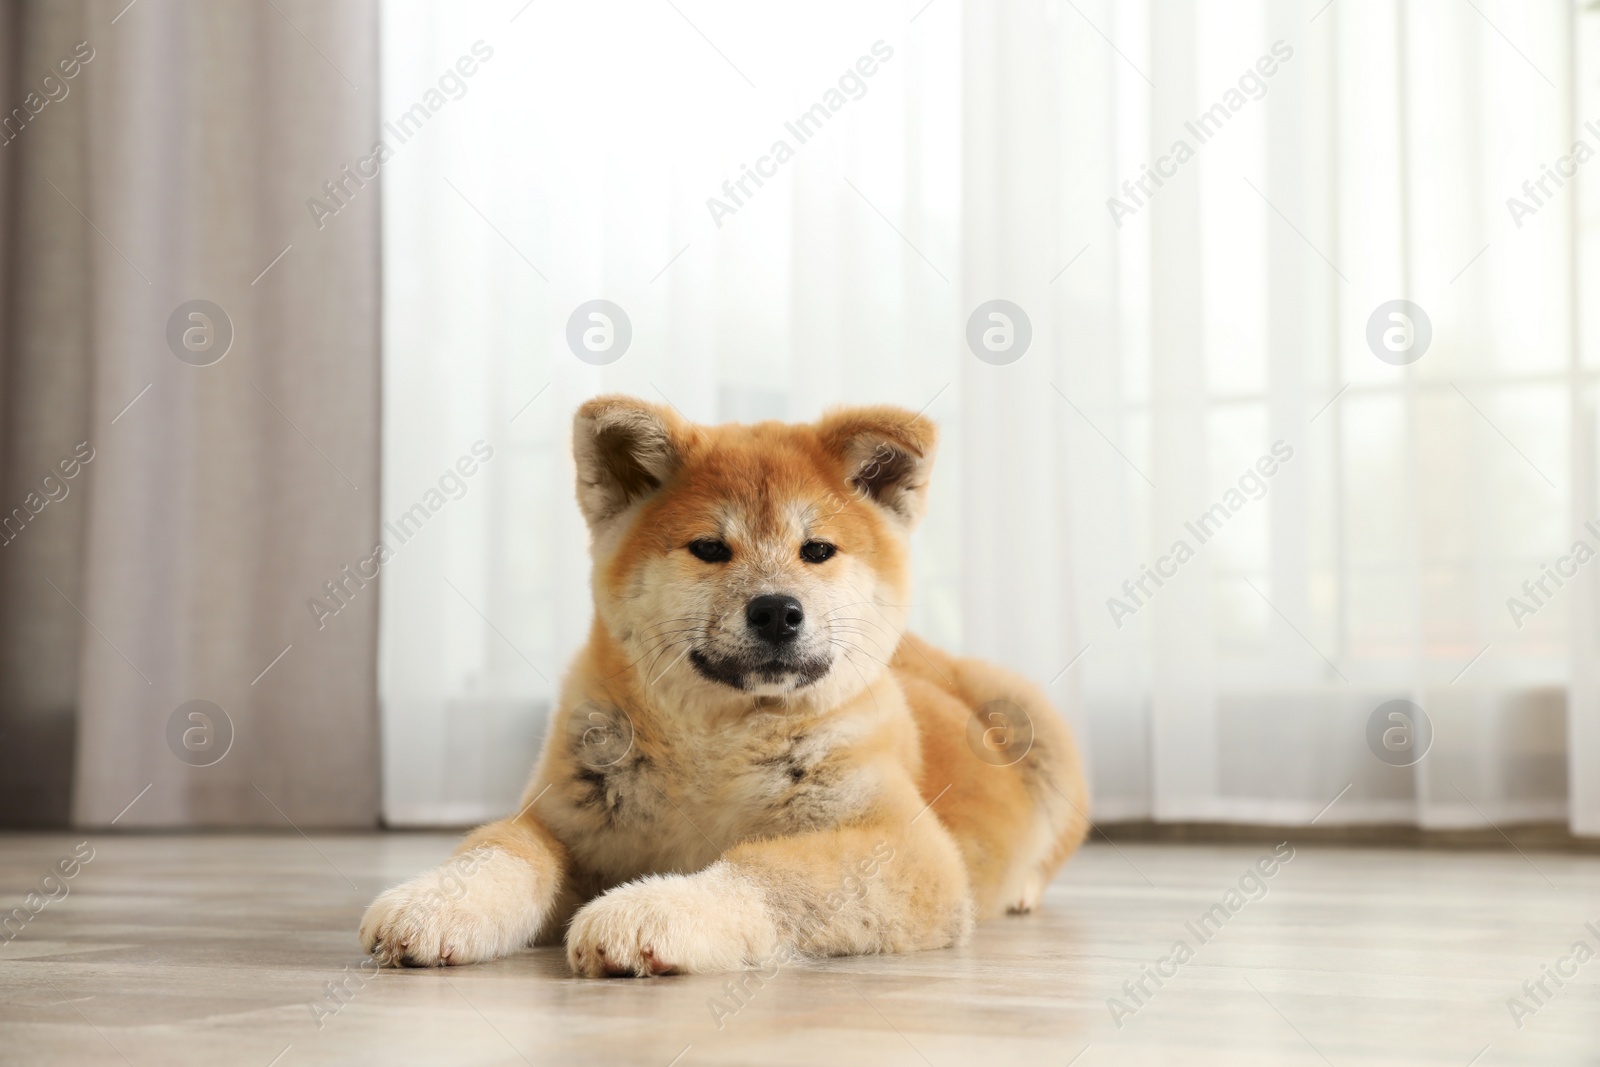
x=489, y=899
x=872, y=889
x=865, y=889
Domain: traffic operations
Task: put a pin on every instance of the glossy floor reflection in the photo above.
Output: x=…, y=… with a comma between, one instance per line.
x=212, y=949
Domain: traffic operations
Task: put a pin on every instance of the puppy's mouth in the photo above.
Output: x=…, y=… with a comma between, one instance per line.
x=752, y=673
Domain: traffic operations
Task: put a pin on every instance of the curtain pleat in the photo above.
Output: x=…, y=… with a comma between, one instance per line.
x=45, y=374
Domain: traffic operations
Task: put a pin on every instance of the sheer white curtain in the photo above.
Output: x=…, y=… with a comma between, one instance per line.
x=1199, y=347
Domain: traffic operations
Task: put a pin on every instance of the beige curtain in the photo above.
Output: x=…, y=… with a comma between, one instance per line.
x=180, y=478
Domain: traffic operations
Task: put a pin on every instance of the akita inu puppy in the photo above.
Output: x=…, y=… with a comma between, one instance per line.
x=751, y=759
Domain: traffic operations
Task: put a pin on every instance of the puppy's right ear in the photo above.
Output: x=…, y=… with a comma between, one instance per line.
x=624, y=450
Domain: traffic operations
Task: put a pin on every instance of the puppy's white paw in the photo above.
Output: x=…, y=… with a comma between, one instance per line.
x=480, y=905
x=716, y=920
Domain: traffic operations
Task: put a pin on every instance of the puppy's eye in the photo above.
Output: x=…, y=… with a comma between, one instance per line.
x=710, y=550
x=817, y=551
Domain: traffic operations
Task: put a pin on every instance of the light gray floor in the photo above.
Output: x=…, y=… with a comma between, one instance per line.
x=213, y=949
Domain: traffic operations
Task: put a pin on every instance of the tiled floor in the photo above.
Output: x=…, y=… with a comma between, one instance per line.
x=221, y=950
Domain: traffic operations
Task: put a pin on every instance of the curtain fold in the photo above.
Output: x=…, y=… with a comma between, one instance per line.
x=44, y=411
x=1014, y=443
x=199, y=346
x=1583, y=716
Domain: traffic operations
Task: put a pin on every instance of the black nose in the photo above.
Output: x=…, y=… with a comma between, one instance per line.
x=776, y=618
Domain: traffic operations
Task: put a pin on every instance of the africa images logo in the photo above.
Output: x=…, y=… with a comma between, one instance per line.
x=1251, y=85
x=341, y=189
x=805, y=126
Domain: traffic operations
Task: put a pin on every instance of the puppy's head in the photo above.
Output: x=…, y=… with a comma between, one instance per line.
x=752, y=561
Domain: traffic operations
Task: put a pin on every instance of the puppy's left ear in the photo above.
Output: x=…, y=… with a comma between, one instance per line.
x=886, y=453
x=624, y=449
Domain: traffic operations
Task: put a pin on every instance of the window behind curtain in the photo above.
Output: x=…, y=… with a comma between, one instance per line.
x=1374, y=164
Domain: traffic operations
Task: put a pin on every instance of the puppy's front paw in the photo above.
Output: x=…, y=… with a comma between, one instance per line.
x=715, y=920
x=482, y=904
